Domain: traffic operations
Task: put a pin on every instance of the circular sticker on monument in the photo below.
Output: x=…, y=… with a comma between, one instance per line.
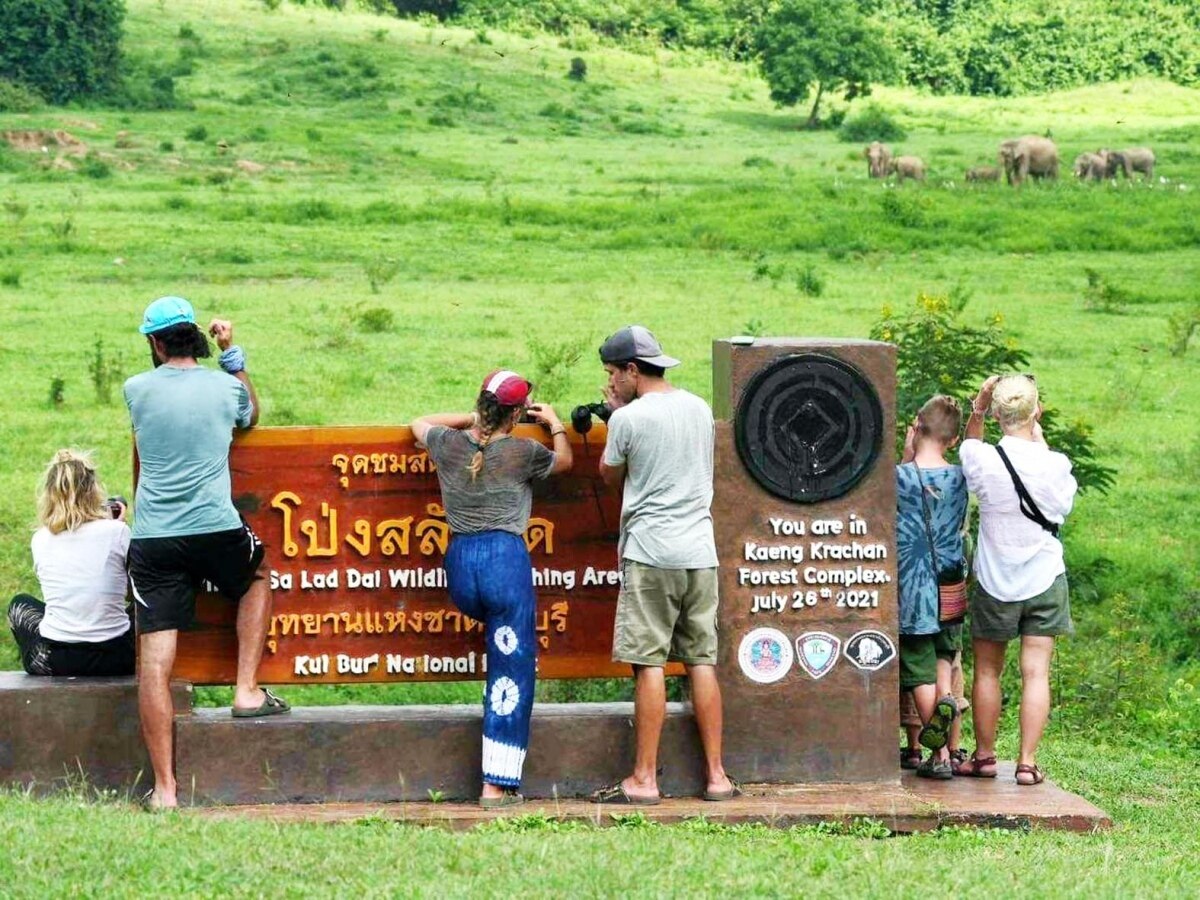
x=809, y=427
x=765, y=655
x=870, y=650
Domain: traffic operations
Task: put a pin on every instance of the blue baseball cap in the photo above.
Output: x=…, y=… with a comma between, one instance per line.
x=165, y=312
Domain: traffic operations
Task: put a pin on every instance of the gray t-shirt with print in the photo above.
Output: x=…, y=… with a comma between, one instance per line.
x=500, y=497
x=665, y=441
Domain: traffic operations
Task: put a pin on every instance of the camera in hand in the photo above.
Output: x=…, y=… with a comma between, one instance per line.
x=581, y=416
x=114, y=505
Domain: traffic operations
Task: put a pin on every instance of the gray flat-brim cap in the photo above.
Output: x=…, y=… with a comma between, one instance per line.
x=636, y=342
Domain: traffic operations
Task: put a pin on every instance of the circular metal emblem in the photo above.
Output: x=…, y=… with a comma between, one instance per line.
x=808, y=427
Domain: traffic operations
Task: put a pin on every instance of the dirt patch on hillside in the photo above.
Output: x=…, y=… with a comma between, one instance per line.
x=41, y=140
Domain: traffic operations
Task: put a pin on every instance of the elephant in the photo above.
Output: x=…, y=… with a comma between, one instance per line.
x=1031, y=156
x=878, y=157
x=907, y=167
x=1091, y=166
x=1135, y=159
x=983, y=173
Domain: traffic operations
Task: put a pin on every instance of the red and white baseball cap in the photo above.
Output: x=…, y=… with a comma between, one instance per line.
x=509, y=387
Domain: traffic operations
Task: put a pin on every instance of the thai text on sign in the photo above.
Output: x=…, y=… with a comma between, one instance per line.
x=355, y=536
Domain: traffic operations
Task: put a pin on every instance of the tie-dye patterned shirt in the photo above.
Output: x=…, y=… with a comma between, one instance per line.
x=946, y=494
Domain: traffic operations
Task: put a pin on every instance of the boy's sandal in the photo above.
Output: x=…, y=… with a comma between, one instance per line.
x=935, y=768
x=975, y=767
x=1036, y=775
x=910, y=758
x=937, y=732
x=957, y=758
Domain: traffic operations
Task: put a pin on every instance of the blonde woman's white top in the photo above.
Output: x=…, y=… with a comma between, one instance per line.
x=82, y=573
x=1016, y=558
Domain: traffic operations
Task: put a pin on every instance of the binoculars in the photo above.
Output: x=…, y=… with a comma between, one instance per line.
x=581, y=416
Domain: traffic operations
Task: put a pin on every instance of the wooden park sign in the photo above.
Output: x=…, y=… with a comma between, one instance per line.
x=804, y=515
x=355, y=536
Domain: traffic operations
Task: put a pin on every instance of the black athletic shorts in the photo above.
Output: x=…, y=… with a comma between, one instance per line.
x=166, y=573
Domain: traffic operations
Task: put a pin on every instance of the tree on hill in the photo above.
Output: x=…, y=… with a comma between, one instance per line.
x=61, y=48
x=821, y=45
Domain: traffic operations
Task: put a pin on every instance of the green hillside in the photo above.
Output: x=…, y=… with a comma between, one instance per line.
x=516, y=209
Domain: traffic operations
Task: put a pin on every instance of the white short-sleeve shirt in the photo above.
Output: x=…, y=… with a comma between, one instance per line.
x=82, y=574
x=1016, y=558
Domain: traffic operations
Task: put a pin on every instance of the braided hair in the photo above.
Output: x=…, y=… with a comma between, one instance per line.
x=492, y=417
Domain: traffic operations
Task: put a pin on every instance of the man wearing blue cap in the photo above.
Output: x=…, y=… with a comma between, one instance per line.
x=186, y=529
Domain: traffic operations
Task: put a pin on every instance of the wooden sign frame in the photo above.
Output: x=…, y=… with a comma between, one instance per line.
x=355, y=536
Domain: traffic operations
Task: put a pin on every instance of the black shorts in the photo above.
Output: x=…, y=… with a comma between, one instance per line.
x=166, y=573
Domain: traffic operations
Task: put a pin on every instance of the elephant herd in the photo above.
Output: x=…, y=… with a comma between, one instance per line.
x=1020, y=159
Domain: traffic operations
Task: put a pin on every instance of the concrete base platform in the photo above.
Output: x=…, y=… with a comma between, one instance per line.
x=910, y=805
x=384, y=754
x=57, y=732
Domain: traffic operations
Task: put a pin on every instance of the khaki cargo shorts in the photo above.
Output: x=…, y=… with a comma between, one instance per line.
x=666, y=615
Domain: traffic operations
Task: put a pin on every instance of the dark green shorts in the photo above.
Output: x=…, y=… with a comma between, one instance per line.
x=919, y=654
x=1046, y=615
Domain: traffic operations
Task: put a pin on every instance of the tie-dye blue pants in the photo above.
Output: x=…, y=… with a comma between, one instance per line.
x=491, y=579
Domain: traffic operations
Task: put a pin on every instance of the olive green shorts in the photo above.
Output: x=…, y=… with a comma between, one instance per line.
x=908, y=703
x=919, y=654
x=666, y=615
x=1046, y=615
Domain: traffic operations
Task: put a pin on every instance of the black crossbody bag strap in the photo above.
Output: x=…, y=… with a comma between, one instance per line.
x=1028, y=508
x=928, y=525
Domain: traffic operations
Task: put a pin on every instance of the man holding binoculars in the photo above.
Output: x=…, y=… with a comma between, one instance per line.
x=660, y=453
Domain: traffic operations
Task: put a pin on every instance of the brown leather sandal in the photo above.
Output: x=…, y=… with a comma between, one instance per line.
x=1037, y=776
x=977, y=767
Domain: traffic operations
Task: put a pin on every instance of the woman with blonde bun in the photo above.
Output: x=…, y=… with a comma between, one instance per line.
x=83, y=627
x=1025, y=491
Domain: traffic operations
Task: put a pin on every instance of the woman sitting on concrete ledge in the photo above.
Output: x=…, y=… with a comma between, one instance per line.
x=83, y=627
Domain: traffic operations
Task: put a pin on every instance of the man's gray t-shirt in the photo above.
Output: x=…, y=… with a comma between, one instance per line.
x=665, y=441
x=183, y=421
x=499, y=498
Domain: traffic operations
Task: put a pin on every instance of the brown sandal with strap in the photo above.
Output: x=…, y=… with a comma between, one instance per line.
x=1037, y=775
x=974, y=767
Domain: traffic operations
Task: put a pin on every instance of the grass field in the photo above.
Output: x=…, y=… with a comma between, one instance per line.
x=515, y=207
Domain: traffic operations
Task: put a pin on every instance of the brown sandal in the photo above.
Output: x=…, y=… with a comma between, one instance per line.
x=1038, y=776
x=974, y=767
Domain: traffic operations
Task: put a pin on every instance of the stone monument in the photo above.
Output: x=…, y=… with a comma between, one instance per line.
x=804, y=508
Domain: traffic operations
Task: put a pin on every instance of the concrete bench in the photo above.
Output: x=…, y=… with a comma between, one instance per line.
x=60, y=732
x=403, y=753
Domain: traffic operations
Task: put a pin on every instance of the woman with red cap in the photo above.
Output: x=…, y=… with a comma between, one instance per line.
x=485, y=475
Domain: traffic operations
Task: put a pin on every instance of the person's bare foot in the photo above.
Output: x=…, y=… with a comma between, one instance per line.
x=160, y=798
x=639, y=789
x=719, y=785
x=491, y=792
x=248, y=699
